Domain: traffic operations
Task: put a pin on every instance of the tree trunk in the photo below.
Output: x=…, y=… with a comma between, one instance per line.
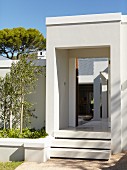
x=21, y=116
x=4, y=112
x=10, y=119
x=4, y=121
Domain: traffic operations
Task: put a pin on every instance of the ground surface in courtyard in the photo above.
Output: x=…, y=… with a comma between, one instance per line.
x=117, y=162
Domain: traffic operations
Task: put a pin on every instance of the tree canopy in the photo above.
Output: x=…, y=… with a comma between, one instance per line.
x=17, y=41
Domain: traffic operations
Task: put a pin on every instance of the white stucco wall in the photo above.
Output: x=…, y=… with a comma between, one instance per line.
x=124, y=83
x=62, y=63
x=80, y=32
x=72, y=92
x=99, y=66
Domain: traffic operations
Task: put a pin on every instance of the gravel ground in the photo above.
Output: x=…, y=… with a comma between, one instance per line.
x=116, y=162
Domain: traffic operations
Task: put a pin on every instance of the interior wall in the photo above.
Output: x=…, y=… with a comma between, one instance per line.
x=109, y=93
x=62, y=62
x=90, y=52
x=72, y=92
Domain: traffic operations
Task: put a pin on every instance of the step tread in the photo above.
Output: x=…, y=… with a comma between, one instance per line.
x=82, y=134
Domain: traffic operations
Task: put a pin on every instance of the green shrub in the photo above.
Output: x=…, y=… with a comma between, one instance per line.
x=27, y=133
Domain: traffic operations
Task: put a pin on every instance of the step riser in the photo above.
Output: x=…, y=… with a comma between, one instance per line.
x=82, y=154
x=81, y=144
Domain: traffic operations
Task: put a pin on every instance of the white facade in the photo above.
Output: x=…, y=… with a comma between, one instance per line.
x=87, y=36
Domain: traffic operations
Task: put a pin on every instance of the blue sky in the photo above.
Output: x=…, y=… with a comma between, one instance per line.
x=32, y=13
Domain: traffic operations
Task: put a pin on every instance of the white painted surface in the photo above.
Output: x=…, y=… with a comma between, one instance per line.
x=83, y=19
x=100, y=144
x=7, y=63
x=5, y=66
x=38, y=155
x=123, y=83
x=80, y=144
x=76, y=34
x=36, y=150
x=104, y=97
x=80, y=153
x=85, y=79
x=82, y=134
x=41, y=142
x=62, y=62
x=38, y=100
x=11, y=153
x=72, y=91
x=99, y=66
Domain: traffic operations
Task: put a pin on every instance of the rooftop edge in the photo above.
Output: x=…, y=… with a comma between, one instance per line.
x=77, y=19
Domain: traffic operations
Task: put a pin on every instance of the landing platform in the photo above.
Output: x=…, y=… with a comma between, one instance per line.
x=96, y=126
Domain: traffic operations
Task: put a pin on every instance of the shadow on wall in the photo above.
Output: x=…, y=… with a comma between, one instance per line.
x=115, y=120
x=18, y=155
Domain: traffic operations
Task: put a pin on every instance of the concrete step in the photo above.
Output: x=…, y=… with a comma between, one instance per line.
x=75, y=143
x=82, y=134
x=79, y=153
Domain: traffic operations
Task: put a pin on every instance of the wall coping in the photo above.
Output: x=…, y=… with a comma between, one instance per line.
x=79, y=19
x=8, y=63
x=29, y=143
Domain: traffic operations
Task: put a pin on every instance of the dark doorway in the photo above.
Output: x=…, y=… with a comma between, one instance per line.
x=85, y=101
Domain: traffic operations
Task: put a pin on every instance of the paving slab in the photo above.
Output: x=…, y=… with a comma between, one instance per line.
x=117, y=162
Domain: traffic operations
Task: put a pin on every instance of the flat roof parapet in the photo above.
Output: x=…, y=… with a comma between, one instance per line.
x=82, y=19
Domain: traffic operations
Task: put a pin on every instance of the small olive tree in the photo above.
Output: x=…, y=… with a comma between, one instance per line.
x=2, y=102
x=14, y=87
x=6, y=100
x=25, y=75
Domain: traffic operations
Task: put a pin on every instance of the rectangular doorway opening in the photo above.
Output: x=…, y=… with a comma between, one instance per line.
x=92, y=91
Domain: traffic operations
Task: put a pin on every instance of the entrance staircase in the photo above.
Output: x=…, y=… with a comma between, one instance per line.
x=81, y=144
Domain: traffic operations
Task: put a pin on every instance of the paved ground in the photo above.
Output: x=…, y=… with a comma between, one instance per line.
x=117, y=162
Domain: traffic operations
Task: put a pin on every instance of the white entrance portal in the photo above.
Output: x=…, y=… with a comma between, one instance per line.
x=86, y=36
